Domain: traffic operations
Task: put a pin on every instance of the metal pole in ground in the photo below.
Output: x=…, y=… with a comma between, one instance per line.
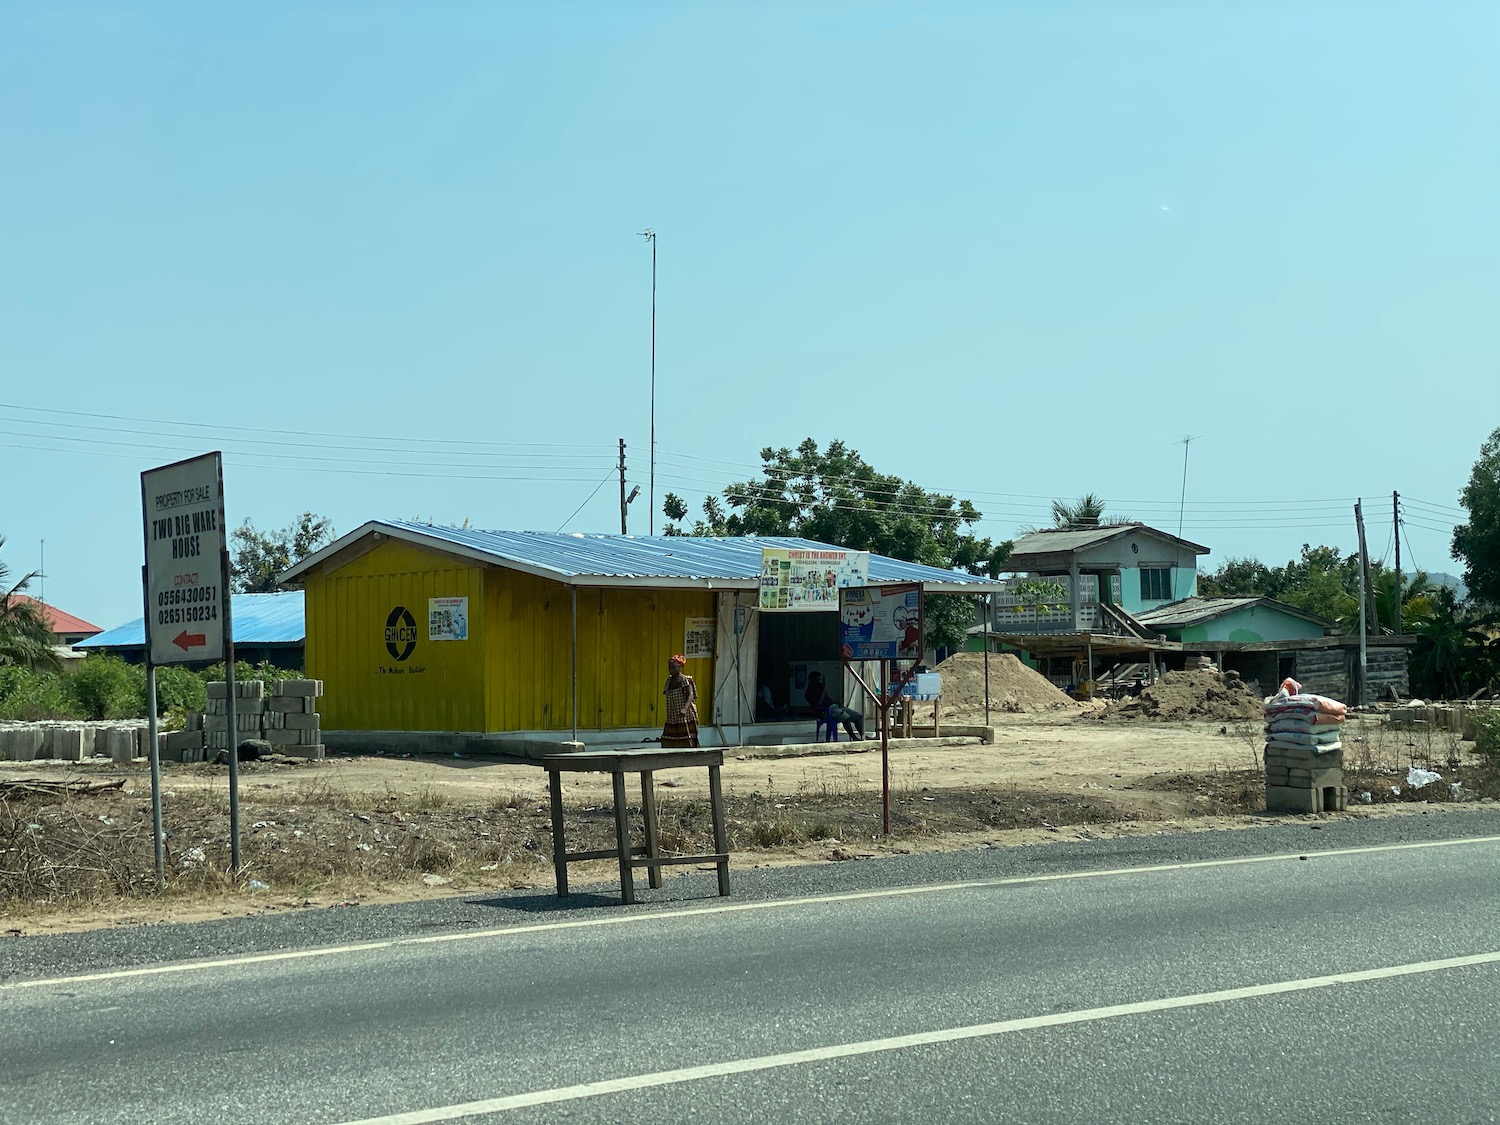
x=233, y=724
x=573, y=706
x=153, y=753
x=885, y=749
x=986, y=637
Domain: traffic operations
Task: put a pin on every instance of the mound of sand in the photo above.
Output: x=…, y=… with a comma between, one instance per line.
x=1013, y=687
x=1181, y=696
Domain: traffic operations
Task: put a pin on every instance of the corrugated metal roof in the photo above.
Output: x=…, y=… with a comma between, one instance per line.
x=625, y=558
x=1195, y=611
x=60, y=621
x=1052, y=542
x=259, y=619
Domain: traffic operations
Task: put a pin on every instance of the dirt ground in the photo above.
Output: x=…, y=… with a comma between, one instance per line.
x=371, y=829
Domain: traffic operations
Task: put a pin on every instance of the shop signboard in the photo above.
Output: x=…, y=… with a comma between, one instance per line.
x=792, y=579
x=186, y=603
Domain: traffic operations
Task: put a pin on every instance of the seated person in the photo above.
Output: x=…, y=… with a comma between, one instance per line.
x=767, y=703
x=823, y=703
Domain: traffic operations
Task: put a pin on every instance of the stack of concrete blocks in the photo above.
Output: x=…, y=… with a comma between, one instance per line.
x=292, y=723
x=249, y=715
x=185, y=745
x=1305, y=781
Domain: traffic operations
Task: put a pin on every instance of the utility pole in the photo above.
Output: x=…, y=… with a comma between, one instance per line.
x=41, y=574
x=623, y=501
x=1182, y=502
x=1364, y=589
x=1396, y=533
x=650, y=236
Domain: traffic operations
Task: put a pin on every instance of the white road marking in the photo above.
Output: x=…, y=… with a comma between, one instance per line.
x=900, y=1042
x=729, y=908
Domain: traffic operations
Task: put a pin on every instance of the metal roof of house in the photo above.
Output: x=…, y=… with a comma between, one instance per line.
x=627, y=560
x=1067, y=540
x=1195, y=611
x=60, y=622
x=258, y=619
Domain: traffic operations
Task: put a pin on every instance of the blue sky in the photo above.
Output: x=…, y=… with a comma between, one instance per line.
x=386, y=257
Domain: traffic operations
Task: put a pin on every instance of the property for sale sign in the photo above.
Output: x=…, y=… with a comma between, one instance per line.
x=183, y=506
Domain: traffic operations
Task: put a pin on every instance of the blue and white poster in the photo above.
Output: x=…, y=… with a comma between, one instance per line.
x=881, y=622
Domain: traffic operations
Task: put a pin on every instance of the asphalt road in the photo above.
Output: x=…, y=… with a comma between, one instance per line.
x=1200, y=977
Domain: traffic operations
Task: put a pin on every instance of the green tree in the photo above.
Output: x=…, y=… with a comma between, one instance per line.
x=1453, y=655
x=1040, y=594
x=834, y=496
x=257, y=558
x=1477, y=541
x=1236, y=578
x=25, y=637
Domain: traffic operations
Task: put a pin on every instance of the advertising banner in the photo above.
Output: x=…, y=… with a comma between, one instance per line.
x=447, y=619
x=809, y=580
x=881, y=622
x=698, y=638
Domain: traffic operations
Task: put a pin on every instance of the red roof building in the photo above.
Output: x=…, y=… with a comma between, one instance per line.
x=67, y=629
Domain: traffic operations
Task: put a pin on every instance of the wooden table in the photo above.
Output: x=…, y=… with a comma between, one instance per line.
x=618, y=763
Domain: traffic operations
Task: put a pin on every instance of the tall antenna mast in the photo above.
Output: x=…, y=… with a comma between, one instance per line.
x=1182, y=502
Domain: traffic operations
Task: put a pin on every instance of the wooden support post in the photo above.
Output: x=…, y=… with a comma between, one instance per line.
x=559, y=844
x=648, y=813
x=721, y=837
x=622, y=839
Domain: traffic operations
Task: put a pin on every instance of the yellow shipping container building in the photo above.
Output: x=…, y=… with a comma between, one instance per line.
x=419, y=628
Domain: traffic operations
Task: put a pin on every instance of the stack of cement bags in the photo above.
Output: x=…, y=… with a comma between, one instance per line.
x=1310, y=723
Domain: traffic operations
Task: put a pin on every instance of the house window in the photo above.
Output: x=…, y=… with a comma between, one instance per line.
x=1156, y=583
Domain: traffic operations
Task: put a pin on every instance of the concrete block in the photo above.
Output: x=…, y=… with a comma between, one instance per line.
x=280, y=737
x=309, y=689
x=1315, y=779
x=247, y=722
x=275, y=720
x=120, y=743
x=180, y=740
x=212, y=706
x=315, y=751
x=290, y=704
x=216, y=739
x=1281, y=798
x=250, y=689
x=300, y=722
x=194, y=722
x=215, y=722
x=19, y=744
x=66, y=744
x=1276, y=776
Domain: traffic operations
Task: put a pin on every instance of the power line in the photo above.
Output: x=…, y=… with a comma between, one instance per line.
x=283, y=430
x=589, y=497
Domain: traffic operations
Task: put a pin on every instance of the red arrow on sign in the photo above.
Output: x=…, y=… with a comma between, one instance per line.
x=185, y=640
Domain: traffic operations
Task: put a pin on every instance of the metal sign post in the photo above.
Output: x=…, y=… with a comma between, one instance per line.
x=186, y=585
x=886, y=624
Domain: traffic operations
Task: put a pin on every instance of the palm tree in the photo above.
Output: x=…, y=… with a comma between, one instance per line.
x=1085, y=512
x=1416, y=601
x=25, y=636
x=1450, y=653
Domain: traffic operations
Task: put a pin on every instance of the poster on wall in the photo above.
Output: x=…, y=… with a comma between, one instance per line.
x=881, y=622
x=447, y=619
x=809, y=580
x=698, y=638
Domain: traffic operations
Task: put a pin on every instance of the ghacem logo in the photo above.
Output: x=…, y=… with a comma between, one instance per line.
x=400, y=633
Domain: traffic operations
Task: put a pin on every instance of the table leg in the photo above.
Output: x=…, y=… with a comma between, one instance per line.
x=622, y=839
x=559, y=845
x=648, y=811
x=721, y=838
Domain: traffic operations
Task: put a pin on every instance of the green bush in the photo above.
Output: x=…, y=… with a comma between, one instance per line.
x=31, y=696
x=1487, y=734
x=105, y=687
x=179, y=690
x=265, y=671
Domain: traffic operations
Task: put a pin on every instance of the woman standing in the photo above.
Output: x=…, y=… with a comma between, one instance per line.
x=681, y=727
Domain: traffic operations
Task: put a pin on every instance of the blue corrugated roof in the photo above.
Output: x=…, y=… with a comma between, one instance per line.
x=258, y=619
x=580, y=556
